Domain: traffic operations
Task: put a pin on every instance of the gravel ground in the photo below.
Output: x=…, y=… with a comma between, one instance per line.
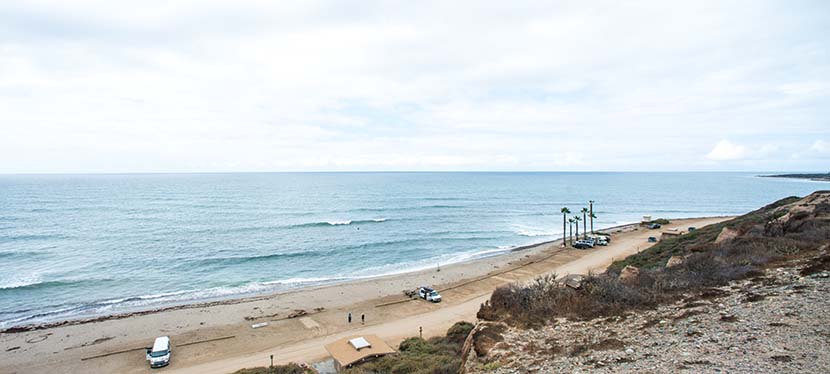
x=774, y=323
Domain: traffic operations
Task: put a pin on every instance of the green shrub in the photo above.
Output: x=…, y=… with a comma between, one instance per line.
x=762, y=241
x=438, y=355
x=491, y=366
x=415, y=346
x=459, y=331
x=279, y=369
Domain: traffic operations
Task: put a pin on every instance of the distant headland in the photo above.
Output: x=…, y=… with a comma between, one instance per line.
x=816, y=177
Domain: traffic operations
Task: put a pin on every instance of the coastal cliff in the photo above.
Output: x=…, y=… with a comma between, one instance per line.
x=753, y=299
x=815, y=177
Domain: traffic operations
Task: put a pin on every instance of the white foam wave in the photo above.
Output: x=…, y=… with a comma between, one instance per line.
x=533, y=233
x=467, y=256
x=23, y=281
x=349, y=222
x=301, y=280
x=143, y=302
x=431, y=263
x=336, y=223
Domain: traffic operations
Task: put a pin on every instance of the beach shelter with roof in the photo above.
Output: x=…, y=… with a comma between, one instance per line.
x=670, y=234
x=352, y=350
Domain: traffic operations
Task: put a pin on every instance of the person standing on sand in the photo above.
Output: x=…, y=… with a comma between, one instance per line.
x=350, y=317
x=362, y=319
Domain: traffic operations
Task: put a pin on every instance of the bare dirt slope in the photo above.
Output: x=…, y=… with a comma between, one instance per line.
x=773, y=323
x=747, y=295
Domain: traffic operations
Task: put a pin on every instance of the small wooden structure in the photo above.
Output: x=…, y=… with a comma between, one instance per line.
x=356, y=349
x=670, y=234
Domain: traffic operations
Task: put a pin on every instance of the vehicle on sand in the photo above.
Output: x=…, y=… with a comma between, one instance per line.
x=159, y=354
x=429, y=294
x=583, y=244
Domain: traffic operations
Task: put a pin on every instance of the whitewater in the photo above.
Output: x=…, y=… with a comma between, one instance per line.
x=76, y=246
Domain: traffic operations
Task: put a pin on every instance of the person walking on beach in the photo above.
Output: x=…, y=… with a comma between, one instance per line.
x=350, y=317
x=362, y=319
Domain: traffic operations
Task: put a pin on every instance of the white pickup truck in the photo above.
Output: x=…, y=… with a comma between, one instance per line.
x=429, y=294
x=599, y=239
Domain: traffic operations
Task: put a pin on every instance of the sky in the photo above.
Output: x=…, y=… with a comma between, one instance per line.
x=223, y=86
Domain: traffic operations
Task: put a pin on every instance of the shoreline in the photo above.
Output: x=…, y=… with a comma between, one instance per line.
x=240, y=299
x=814, y=177
x=295, y=325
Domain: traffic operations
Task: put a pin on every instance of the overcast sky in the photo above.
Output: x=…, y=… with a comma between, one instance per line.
x=107, y=86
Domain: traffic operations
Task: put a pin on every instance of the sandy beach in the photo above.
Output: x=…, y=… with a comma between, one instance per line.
x=218, y=337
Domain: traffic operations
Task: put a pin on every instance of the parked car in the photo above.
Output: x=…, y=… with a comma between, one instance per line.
x=692, y=228
x=607, y=238
x=652, y=239
x=429, y=294
x=654, y=226
x=599, y=240
x=159, y=354
x=583, y=244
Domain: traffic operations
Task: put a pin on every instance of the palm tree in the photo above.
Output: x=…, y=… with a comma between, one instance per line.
x=565, y=211
x=571, y=230
x=584, y=222
x=591, y=211
x=576, y=221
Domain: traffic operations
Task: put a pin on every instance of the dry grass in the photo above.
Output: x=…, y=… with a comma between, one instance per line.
x=280, y=369
x=817, y=265
x=760, y=244
x=439, y=355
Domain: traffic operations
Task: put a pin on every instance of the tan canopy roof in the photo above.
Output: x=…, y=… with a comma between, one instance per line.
x=346, y=354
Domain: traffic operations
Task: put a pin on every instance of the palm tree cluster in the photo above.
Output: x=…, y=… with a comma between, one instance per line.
x=573, y=222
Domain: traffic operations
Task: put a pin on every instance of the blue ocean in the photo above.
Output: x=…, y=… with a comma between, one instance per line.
x=75, y=246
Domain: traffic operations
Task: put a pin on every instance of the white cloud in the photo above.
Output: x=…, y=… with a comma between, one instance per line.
x=726, y=150
x=329, y=85
x=821, y=147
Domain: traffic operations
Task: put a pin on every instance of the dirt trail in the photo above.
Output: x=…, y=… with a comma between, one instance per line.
x=438, y=321
x=464, y=287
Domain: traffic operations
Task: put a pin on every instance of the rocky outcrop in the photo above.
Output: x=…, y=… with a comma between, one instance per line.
x=772, y=318
x=727, y=233
x=573, y=281
x=467, y=349
x=482, y=345
x=629, y=274
x=675, y=261
x=772, y=323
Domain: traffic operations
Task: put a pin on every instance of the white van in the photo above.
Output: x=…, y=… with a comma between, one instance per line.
x=159, y=355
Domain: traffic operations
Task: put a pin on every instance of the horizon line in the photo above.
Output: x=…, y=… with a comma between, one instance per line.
x=404, y=171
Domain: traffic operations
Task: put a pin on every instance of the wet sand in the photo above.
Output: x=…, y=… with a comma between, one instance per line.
x=218, y=337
